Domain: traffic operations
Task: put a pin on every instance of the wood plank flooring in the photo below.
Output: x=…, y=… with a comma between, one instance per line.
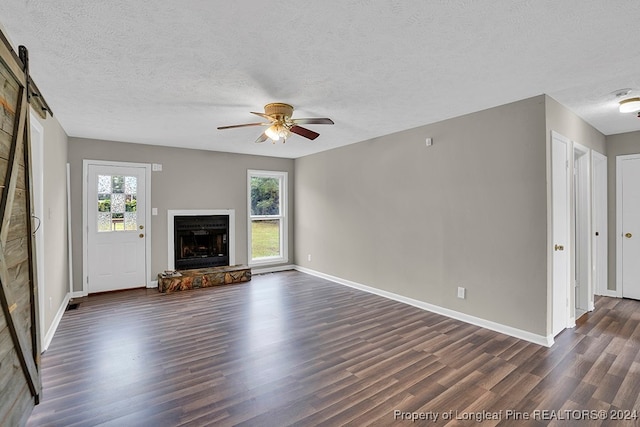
x=288, y=348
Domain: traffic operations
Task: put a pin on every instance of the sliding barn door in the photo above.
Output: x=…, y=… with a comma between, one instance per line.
x=19, y=343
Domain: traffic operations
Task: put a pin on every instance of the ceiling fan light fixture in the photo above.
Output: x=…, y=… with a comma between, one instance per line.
x=630, y=105
x=281, y=125
x=272, y=133
x=277, y=131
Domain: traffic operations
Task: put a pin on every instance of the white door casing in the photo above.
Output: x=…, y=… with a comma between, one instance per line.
x=561, y=231
x=37, y=153
x=117, y=239
x=599, y=232
x=581, y=244
x=628, y=225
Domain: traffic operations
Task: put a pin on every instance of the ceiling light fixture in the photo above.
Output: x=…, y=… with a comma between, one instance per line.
x=630, y=105
x=277, y=131
x=281, y=125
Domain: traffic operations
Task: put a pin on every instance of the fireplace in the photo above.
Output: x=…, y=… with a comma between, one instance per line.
x=201, y=239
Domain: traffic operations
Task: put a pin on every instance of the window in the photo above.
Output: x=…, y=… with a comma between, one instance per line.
x=267, y=217
x=117, y=205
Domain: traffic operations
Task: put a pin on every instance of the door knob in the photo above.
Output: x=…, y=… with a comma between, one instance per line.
x=141, y=235
x=628, y=235
x=558, y=248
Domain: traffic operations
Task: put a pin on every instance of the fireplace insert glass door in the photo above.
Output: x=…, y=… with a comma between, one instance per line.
x=201, y=241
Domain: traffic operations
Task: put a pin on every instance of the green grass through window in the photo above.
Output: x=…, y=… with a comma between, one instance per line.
x=265, y=239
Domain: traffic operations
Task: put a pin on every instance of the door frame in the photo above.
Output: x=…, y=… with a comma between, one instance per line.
x=582, y=224
x=37, y=210
x=619, y=160
x=85, y=216
x=599, y=212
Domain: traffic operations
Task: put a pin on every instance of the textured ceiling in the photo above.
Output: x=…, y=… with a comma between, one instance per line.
x=168, y=73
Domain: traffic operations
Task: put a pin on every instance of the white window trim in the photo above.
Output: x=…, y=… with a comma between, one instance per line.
x=283, y=217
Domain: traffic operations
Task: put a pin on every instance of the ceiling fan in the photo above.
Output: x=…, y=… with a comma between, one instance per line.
x=281, y=125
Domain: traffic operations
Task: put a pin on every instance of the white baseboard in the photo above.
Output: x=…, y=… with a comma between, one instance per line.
x=546, y=341
x=78, y=294
x=56, y=321
x=153, y=284
x=609, y=293
x=263, y=270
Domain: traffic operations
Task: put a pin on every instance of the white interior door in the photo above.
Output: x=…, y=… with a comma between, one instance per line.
x=561, y=232
x=599, y=232
x=116, y=229
x=628, y=195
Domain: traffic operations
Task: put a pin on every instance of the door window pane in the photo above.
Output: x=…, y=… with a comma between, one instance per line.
x=130, y=185
x=118, y=183
x=130, y=203
x=104, y=184
x=117, y=196
x=104, y=202
x=104, y=221
x=130, y=220
x=117, y=203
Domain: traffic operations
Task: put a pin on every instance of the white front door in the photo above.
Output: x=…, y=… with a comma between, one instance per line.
x=116, y=228
x=628, y=194
x=560, y=209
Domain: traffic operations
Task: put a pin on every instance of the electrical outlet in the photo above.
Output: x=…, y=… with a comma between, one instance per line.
x=461, y=292
x=309, y=257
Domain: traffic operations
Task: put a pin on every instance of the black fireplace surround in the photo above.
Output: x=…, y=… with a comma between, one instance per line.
x=201, y=241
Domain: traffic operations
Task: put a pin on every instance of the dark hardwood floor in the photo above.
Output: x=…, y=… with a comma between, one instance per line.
x=288, y=348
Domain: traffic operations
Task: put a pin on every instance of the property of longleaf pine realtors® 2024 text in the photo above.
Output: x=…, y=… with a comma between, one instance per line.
x=538, y=415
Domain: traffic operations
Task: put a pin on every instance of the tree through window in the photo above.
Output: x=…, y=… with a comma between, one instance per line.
x=267, y=219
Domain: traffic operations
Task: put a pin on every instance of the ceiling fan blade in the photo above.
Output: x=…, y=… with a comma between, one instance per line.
x=314, y=121
x=309, y=134
x=242, y=126
x=262, y=138
x=262, y=115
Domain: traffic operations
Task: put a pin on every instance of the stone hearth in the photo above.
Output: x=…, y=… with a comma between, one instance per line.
x=204, y=278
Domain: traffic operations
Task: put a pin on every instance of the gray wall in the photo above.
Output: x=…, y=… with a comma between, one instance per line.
x=566, y=123
x=420, y=221
x=54, y=223
x=190, y=179
x=617, y=145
